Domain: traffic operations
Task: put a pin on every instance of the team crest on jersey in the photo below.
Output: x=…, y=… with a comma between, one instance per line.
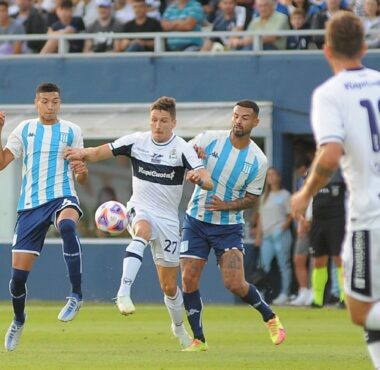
x=247, y=167
x=173, y=154
x=64, y=137
x=156, y=158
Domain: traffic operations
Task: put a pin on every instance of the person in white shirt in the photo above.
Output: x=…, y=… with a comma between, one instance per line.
x=346, y=123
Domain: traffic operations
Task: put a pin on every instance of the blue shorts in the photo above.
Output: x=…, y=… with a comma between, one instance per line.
x=199, y=237
x=32, y=225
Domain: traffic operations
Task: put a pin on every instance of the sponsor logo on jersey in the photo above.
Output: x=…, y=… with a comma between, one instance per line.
x=156, y=174
x=156, y=158
x=215, y=154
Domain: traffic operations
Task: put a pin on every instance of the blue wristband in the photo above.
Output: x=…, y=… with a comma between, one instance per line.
x=200, y=183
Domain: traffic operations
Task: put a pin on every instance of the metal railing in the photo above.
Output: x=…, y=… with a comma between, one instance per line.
x=160, y=41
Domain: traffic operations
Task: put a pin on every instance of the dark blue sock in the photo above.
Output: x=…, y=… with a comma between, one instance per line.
x=193, y=306
x=72, y=254
x=255, y=300
x=17, y=288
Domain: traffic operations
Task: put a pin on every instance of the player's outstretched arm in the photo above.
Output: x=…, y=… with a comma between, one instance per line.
x=216, y=204
x=95, y=154
x=6, y=156
x=201, y=178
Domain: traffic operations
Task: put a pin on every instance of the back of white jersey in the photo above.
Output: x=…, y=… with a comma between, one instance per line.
x=233, y=171
x=346, y=109
x=46, y=175
x=158, y=171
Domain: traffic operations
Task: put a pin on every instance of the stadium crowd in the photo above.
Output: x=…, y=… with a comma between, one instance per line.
x=103, y=17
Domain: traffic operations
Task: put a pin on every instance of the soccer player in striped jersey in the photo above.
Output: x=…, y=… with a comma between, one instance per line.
x=47, y=197
x=214, y=219
x=345, y=117
x=161, y=161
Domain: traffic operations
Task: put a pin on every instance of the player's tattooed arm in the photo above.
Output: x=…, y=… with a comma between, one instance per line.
x=216, y=204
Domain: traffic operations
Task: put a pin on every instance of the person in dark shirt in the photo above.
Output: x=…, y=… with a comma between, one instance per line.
x=326, y=234
x=33, y=22
x=141, y=23
x=65, y=25
x=298, y=22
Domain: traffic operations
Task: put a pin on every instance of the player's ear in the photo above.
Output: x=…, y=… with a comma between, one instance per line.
x=363, y=49
x=327, y=51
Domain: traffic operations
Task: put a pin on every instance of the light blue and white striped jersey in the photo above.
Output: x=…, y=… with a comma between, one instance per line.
x=46, y=175
x=234, y=172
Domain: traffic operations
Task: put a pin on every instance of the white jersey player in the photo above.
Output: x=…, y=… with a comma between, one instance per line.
x=346, y=124
x=160, y=160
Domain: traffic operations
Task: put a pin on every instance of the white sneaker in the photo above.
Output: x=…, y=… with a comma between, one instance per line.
x=280, y=300
x=302, y=298
x=310, y=297
x=12, y=338
x=183, y=336
x=125, y=305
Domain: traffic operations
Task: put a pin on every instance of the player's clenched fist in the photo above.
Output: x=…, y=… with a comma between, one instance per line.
x=72, y=154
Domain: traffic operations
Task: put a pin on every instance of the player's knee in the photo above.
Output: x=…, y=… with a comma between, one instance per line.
x=67, y=228
x=169, y=289
x=190, y=282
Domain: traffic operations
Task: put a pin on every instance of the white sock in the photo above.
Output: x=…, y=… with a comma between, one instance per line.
x=373, y=318
x=175, y=306
x=374, y=353
x=131, y=265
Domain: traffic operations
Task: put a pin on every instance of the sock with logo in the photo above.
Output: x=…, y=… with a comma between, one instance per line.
x=254, y=299
x=131, y=265
x=72, y=254
x=194, y=306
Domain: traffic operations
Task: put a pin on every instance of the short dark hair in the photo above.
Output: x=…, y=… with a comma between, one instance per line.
x=345, y=35
x=165, y=103
x=4, y=3
x=46, y=87
x=249, y=104
x=66, y=4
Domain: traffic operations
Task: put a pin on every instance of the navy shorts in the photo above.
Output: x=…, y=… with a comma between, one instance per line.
x=32, y=225
x=199, y=237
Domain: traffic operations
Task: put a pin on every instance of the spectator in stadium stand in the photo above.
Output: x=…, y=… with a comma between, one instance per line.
x=87, y=10
x=298, y=22
x=67, y=24
x=8, y=26
x=269, y=20
x=229, y=17
x=33, y=23
x=319, y=20
x=371, y=22
x=357, y=6
x=307, y=8
x=141, y=23
x=183, y=16
x=106, y=23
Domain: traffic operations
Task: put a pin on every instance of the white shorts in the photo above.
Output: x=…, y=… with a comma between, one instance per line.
x=361, y=260
x=165, y=239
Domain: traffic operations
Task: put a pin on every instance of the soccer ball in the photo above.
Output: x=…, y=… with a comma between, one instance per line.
x=111, y=217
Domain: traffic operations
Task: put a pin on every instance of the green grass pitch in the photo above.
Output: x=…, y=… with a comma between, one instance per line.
x=100, y=338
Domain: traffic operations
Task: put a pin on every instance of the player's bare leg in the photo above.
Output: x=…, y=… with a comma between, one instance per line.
x=232, y=270
x=173, y=300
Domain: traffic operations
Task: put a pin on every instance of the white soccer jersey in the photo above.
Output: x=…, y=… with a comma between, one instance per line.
x=346, y=109
x=158, y=171
x=46, y=175
x=234, y=172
